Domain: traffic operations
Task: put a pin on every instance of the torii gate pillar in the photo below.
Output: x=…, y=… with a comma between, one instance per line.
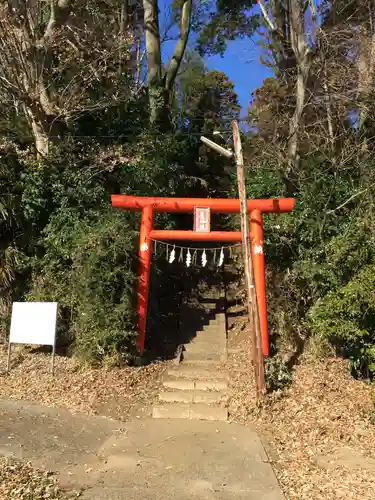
x=257, y=247
x=145, y=254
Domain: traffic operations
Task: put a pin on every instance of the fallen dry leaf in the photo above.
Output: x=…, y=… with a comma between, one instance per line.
x=20, y=481
x=118, y=393
x=323, y=412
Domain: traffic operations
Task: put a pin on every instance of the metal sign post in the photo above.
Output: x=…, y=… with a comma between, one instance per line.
x=8, y=360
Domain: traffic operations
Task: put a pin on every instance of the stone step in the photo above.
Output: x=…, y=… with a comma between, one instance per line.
x=204, y=327
x=202, y=343
x=212, y=328
x=215, y=324
x=171, y=382
x=202, y=358
x=208, y=336
x=211, y=334
x=235, y=350
x=208, y=305
x=193, y=412
x=204, y=348
x=198, y=372
x=195, y=396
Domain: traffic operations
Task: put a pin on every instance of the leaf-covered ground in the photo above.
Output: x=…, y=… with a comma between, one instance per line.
x=20, y=481
x=117, y=393
x=319, y=434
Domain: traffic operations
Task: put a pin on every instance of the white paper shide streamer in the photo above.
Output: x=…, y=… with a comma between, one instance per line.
x=188, y=255
x=221, y=258
x=188, y=258
x=204, y=258
x=172, y=255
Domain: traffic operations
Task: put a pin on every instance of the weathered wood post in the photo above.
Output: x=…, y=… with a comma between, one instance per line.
x=252, y=303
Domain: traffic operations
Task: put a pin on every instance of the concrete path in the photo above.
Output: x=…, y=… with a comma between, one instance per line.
x=146, y=459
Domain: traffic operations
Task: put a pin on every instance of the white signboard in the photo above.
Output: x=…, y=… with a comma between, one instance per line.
x=33, y=323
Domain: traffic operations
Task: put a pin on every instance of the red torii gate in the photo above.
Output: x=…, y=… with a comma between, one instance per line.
x=150, y=205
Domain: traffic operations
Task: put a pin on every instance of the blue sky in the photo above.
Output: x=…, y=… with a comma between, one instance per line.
x=240, y=62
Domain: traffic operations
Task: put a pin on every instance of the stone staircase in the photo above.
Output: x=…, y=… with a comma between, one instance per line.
x=197, y=387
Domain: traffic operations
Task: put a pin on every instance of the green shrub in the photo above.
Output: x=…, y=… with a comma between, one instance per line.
x=278, y=374
x=88, y=268
x=346, y=318
x=372, y=413
x=69, y=245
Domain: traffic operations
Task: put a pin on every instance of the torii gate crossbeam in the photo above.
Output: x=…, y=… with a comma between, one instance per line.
x=150, y=205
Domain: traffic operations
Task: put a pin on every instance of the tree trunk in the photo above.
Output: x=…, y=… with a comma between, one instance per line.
x=160, y=85
x=296, y=118
x=179, y=51
x=45, y=125
x=154, y=71
x=40, y=134
x=366, y=63
x=41, y=138
x=302, y=55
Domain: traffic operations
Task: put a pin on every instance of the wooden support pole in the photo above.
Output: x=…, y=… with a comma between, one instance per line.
x=219, y=149
x=252, y=304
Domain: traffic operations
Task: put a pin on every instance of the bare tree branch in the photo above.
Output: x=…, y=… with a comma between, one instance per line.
x=59, y=13
x=49, y=76
x=349, y=200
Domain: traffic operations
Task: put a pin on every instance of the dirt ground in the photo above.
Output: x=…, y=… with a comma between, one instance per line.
x=318, y=432
x=117, y=393
x=20, y=481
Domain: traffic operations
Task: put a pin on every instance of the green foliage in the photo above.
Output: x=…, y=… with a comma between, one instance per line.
x=207, y=98
x=320, y=257
x=69, y=245
x=88, y=267
x=278, y=374
x=12, y=227
x=346, y=317
x=62, y=240
x=372, y=414
x=59, y=237
x=227, y=20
